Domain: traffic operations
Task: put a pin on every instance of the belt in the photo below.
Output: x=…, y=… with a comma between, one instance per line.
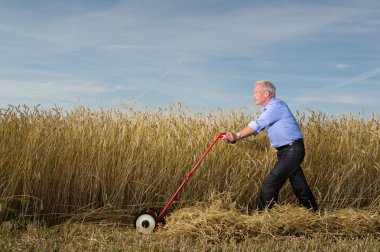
x=288, y=145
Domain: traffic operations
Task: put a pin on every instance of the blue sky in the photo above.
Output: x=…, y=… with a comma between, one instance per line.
x=321, y=55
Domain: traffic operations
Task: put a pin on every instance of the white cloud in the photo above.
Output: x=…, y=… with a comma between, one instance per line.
x=338, y=93
x=164, y=47
x=358, y=78
x=132, y=26
x=341, y=66
x=30, y=89
x=339, y=98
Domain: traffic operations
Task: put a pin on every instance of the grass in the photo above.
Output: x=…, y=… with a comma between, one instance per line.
x=73, y=168
x=106, y=236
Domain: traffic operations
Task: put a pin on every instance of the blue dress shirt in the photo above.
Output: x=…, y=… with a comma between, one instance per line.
x=279, y=123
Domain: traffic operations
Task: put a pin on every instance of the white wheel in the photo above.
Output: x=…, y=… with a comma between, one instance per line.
x=145, y=223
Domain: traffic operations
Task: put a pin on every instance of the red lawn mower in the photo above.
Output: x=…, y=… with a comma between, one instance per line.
x=147, y=221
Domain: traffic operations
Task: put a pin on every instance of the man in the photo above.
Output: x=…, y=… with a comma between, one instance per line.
x=284, y=135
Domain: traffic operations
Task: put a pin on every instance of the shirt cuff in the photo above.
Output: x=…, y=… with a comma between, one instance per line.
x=254, y=126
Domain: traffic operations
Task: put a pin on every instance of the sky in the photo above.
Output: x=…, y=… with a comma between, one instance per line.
x=205, y=54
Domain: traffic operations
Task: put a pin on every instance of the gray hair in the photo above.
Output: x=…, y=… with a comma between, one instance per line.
x=267, y=86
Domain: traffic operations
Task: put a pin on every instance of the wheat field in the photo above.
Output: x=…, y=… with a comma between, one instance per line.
x=94, y=166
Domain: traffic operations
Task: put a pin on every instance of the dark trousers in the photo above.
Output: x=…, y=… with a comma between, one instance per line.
x=288, y=166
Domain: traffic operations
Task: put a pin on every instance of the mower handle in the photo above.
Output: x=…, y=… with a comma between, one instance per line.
x=220, y=136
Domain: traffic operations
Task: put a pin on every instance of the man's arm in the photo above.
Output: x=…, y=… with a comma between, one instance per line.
x=233, y=137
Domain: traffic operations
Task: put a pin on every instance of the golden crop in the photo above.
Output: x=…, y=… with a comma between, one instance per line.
x=55, y=163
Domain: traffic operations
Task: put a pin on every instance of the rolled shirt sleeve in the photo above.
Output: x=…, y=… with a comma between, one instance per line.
x=279, y=122
x=270, y=114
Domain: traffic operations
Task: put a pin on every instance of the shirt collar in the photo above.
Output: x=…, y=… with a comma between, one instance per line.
x=270, y=102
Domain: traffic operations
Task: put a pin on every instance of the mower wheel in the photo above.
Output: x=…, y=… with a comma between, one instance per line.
x=146, y=222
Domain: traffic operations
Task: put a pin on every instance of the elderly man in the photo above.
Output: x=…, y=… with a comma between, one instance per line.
x=284, y=135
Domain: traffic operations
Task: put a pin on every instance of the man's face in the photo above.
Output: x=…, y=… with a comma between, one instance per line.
x=260, y=96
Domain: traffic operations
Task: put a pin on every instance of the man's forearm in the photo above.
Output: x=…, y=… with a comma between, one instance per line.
x=246, y=132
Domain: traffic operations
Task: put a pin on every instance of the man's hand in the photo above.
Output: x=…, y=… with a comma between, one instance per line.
x=230, y=137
